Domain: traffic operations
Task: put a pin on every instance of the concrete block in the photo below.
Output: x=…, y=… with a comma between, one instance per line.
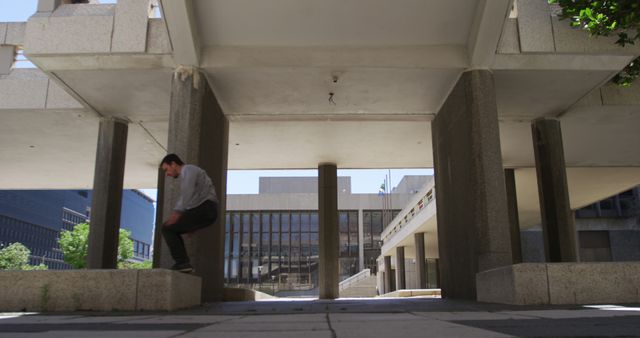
x=534, y=25
x=57, y=98
x=23, y=89
x=612, y=94
x=518, y=284
x=130, y=26
x=594, y=98
x=3, y=32
x=593, y=283
x=575, y=40
x=167, y=290
x=71, y=29
x=97, y=290
x=509, y=40
x=158, y=37
x=15, y=33
x=7, y=55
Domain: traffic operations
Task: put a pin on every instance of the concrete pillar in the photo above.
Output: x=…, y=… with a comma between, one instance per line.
x=361, y=240
x=473, y=223
x=199, y=134
x=558, y=226
x=388, y=287
x=158, y=241
x=328, y=234
x=106, y=202
x=514, y=221
x=401, y=282
x=421, y=272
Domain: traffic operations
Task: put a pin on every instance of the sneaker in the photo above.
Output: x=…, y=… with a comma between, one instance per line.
x=182, y=267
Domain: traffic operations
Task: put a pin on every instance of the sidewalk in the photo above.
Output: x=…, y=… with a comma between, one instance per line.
x=397, y=318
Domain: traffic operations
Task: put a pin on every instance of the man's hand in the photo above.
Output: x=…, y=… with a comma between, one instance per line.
x=175, y=216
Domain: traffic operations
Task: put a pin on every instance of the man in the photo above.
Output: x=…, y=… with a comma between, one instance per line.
x=196, y=208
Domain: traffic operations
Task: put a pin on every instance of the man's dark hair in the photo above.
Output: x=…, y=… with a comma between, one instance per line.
x=171, y=158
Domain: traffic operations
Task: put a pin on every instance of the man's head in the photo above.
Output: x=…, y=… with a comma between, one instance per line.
x=172, y=165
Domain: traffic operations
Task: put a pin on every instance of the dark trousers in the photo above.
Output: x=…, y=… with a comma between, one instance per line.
x=193, y=219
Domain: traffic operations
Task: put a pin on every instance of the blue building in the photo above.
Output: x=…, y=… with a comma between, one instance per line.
x=36, y=217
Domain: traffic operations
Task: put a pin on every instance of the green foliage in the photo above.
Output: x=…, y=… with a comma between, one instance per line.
x=74, y=245
x=605, y=18
x=16, y=257
x=136, y=265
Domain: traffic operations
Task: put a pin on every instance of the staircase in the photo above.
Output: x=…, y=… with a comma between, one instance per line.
x=362, y=284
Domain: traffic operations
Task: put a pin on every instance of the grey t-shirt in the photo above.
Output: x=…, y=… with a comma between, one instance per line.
x=195, y=188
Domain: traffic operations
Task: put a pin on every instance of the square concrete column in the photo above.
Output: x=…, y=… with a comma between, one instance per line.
x=388, y=287
x=159, y=245
x=328, y=234
x=199, y=134
x=514, y=221
x=401, y=282
x=473, y=223
x=558, y=225
x=106, y=202
x=421, y=273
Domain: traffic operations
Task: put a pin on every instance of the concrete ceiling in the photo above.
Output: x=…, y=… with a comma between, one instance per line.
x=333, y=22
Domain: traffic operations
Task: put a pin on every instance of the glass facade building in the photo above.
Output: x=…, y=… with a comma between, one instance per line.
x=35, y=218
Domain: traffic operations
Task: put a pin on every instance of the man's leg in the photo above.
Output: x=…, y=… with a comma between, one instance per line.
x=191, y=220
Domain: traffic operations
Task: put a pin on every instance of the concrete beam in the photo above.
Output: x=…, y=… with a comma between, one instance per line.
x=183, y=31
x=468, y=171
x=328, y=235
x=107, y=194
x=486, y=30
x=558, y=225
x=199, y=134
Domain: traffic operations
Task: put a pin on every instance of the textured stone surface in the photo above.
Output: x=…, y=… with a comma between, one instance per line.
x=23, y=88
x=57, y=98
x=97, y=290
x=509, y=40
x=168, y=290
x=158, y=37
x=534, y=25
x=574, y=40
x=3, y=32
x=594, y=283
x=16, y=33
x=561, y=283
x=468, y=171
x=7, y=55
x=71, y=29
x=130, y=26
x=613, y=94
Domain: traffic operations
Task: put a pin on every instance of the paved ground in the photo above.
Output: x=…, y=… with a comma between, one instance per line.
x=398, y=318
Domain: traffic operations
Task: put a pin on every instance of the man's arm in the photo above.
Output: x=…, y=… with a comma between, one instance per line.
x=173, y=218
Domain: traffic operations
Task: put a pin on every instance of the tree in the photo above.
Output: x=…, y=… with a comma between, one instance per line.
x=16, y=257
x=605, y=18
x=74, y=245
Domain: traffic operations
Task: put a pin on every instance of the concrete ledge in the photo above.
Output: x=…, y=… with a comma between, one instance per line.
x=560, y=283
x=244, y=295
x=413, y=293
x=98, y=290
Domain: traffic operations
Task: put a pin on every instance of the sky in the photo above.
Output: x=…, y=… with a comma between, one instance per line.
x=243, y=181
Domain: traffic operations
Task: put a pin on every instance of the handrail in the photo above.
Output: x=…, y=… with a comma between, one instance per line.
x=345, y=284
x=408, y=213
